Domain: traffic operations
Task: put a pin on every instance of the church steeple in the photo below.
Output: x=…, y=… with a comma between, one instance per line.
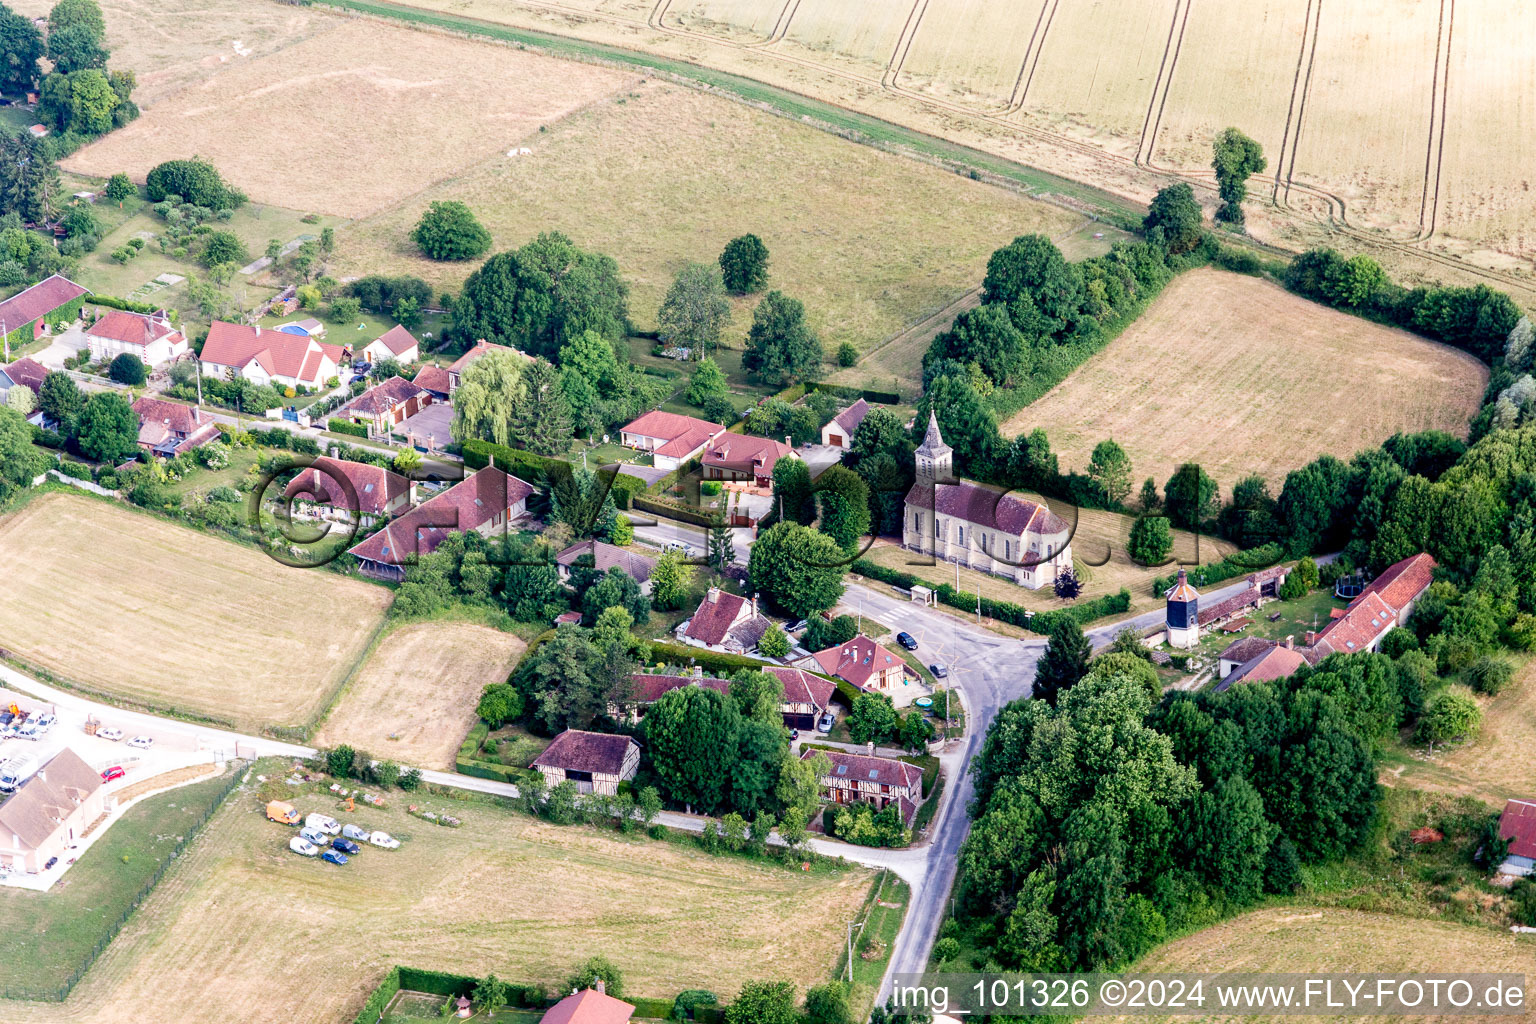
x=935, y=459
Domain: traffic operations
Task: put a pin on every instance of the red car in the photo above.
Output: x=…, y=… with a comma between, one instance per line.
x=112, y=773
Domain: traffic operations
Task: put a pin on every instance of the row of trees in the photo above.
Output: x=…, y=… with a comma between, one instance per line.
x=80, y=98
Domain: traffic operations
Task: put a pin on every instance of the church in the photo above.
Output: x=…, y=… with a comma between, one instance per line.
x=980, y=527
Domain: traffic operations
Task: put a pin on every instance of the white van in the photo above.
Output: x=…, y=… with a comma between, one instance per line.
x=325, y=823
x=16, y=771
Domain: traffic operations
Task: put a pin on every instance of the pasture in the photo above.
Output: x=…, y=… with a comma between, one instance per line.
x=150, y=612
x=243, y=929
x=414, y=697
x=1240, y=375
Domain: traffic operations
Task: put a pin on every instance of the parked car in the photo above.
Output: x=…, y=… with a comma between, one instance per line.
x=358, y=377
x=6, y=717
x=115, y=772
x=142, y=742
x=825, y=725
x=45, y=721
x=110, y=735
x=344, y=845
x=314, y=835
x=51, y=862
x=334, y=857
x=353, y=832
x=28, y=730
x=383, y=840
x=907, y=640
x=324, y=822
x=939, y=671
x=794, y=734
x=300, y=845
x=796, y=626
x=361, y=366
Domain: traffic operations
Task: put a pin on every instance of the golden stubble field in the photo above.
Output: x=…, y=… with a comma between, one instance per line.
x=153, y=612
x=1240, y=375
x=242, y=929
x=414, y=697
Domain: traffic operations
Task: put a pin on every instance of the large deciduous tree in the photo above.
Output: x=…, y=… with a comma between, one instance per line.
x=797, y=568
x=1111, y=467
x=448, y=230
x=1236, y=157
x=1175, y=216
x=781, y=347
x=109, y=431
x=695, y=308
x=744, y=265
x=20, y=47
x=488, y=393
x=691, y=734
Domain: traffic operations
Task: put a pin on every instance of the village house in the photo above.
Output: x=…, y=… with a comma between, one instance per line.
x=865, y=778
x=838, y=433
x=724, y=622
x=150, y=336
x=979, y=527
x=26, y=315
x=348, y=489
x=384, y=405
x=434, y=380
x=604, y=557
x=170, y=428
x=807, y=696
x=269, y=357
x=595, y=761
x=744, y=457
x=1378, y=609
x=486, y=502
x=49, y=812
x=646, y=688
x=589, y=1006
x=1518, y=824
x=670, y=437
x=397, y=343
x=29, y=373
x=863, y=663
x=458, y=366
x=1267, y=661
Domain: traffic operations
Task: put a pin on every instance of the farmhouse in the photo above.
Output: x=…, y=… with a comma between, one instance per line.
x=150, y=336
x=979, y=527
x=169, y=428
x=458, y=366
x=385, y=404
x=27, y=372
x=744, y=457
x=24, y=316
x=671, y=438
x=589, y=1006
x=485, y=502
x=397, y=343
x=839, y=430
x=646, y=688
x=351, y=488
x=863, y=663
x=724, y=622
x=1274, y=661
x=1518, y=824
x=597, y=762
x=807, y=696
x=269, y=357
x=433, y=379
x=45, y=816
x=864, y=778
x=604, y=557
x=1385, y=604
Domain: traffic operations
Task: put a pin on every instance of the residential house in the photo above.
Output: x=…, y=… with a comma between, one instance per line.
x=604, y=557
x=865, y=778
x=839, y=429
x=49, y=812
x=724, y=622
x=384, y=405
x=29, y=373
x=397, y=343
x=150, y=336
x=596, y=761
x=270, y=357
x=589, y=1006
x=170, y=428
x=863, y=663
x=744, y=457
x=1518, y=824
x=25, y=316
x=458, y=366
x=369, y=492
x=980, y=527
x=670, y=437
x=1275, y=661
x=1378, y=609
x=434, y=380
x=807, y=696
x=646, y=688
x=486, y=502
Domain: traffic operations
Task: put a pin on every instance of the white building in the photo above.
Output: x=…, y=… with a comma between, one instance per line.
x=150, y=336
x=269, y=357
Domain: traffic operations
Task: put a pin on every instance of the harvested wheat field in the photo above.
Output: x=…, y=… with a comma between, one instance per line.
x=242, y=929
x=383, y=110
x=414, y=697
x=152, y=612
x=1303, y=940
x=1243, y=377
x=664, y=174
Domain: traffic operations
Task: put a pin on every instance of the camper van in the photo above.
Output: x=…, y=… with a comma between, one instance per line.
x=16, y=771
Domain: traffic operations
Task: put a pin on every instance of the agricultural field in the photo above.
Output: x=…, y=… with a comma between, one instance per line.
x=151, y=612
x=502, y=893
x=1239, y=375
x=414, y=697
x=866, y=240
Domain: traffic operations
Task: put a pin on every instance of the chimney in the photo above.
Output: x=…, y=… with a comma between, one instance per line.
x=754, y=606
x=869, y=748
x=714, y=595
x=1311, y=638
x=787, y=442
x=601, y=986
x=698, y=671
x=1290, y=642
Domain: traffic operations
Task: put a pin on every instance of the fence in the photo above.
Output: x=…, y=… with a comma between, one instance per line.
x=84, y=485
x=62, y=992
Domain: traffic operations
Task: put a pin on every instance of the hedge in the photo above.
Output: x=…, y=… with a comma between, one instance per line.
x=477, y=454
x=1002, y=611
x=722, y=665
x=113, y=302
x=346, y=427
x=373, y=1007
x=673, y=510
x=645, y=1006
x=1239, y=563
x=844, y=391
x=437, y=983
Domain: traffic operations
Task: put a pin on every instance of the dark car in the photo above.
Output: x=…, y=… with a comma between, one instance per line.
x=907, y=640
x=51, y=862
x=795, y=627
x=6, y=717
x=794, y=734
x=344, y=845
x=939, y=671
x=361, y=366
x=334, y=857
x=358, y=377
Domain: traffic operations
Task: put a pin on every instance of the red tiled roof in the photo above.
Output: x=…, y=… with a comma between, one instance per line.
x=132, y=328
x=374, y=487
x=27, y=371
x=588, y=1007
x=1183, y=591
x=579, y=751
x=1402, y=582
x=802, y=687
x=850, y=418
x=1246, y=649
x=856, y=660
x=608, y=556
x=382, y=398
x=1276, y=663
x=988, y=507
x=176, y=417
x=1518, y=822
x=1221, y=609
x=883, y=771
x=467, y=505
x=479, y=349
x=745, y=453
x=682, y=434
x=432, y=378
x=1366, y=619
x=715, y=616
x=279, y=353
x=647, y=687
x=39, y=300
x=397, y=339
